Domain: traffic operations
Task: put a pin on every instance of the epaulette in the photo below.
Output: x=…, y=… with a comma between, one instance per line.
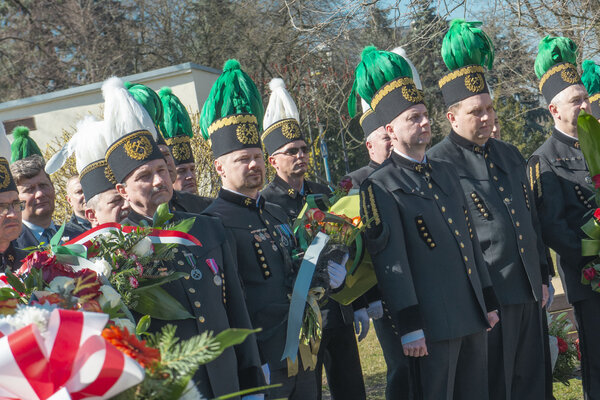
x=534, y=175
x=370, y=210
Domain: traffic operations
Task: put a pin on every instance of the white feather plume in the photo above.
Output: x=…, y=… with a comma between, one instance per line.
x=401, y=52
x=122, y=113
x=281, y=105
x=365, y=105
x=91, y=143
x=4, y=143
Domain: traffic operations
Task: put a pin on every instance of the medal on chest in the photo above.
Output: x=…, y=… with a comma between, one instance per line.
x=196, y=274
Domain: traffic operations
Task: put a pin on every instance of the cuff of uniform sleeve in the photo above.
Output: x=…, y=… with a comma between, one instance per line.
x=412, y=336
x=251, y=377
x=409, y=320
x=491, y=301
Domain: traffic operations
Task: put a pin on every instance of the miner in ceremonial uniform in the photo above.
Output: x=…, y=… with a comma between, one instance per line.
x=288, y=154
x=260, y=232
x=10, y=211
x=494, y=181
x=165, y=114
x=212, y=292
x=76, y=200
x=37, y=191
x=426, y=254
x=591, y=80
x=563, y=192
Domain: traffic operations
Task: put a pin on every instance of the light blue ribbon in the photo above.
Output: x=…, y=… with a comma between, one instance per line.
x=301, y=288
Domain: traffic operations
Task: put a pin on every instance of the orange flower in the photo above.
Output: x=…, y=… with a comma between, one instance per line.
x=356, y=221
x=131, y=346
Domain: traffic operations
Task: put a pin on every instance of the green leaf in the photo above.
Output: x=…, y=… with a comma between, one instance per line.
x=232, y=337
x=160, y=281
x=588, y=132
x=15, y=282
x=55, y=240
x=184, y=225
x=8, y=293
x=162, y=215
x=160, y=305
x=143, y=325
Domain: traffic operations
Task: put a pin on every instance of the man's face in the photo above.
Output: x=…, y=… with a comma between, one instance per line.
x=75, y=197
x=147, y=187
x=110, y=207
x=411, y=129
x=572, y=100
x=242, y=170
x=291, y=159
x=474, y=118
x=10, y=223
x=379, y=145
x=186, y=178
x=38, y=195
x=496, y=131
x=166, y=152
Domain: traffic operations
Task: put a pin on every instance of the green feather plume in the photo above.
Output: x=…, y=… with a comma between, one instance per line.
x=591, y=77
x=176, y=120
x=23, y=145
x=552, y=51
x=467, y=44
x=234, y=92
x=375, y=69
x=148, y=99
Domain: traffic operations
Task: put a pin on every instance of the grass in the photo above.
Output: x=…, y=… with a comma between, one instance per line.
x=373, y=366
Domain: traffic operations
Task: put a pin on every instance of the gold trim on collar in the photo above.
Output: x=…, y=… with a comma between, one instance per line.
x=231, y=120
x=293, y=133
x=92, y=166
x=393, y=85
x=563, y=67
x=469, y=69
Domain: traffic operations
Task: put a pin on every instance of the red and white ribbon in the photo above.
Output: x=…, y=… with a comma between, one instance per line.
x=69, y=361
x=156, y=236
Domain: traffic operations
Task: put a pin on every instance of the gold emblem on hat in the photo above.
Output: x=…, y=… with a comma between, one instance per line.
x=290, y=131
x=247, y=133
x=411, y=93
x=569, y=75
x=181, y=151
x=4, y=176
x=474, y=82
x=138, y=147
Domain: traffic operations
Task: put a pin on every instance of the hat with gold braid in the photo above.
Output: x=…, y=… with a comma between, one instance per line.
x=151, y=102
x=232, y=115
x=466, y=50
x=23, y=145
x=591, y=80
x=555, y=66
x=7, y=183
x=176, y=127
x=368, y=120
x=282, y=120
x=384, y=80
x=129, y=129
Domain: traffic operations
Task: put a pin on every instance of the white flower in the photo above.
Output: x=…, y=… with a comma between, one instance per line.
x=124, y=323
x=143, y=248
x=109, y=297
x=62, y=284
x=25, y=315
x=102, y=267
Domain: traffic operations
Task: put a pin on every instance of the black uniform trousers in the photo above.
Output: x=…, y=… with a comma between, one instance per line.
x=298, y=387
x=339, y=353
x=398, y=375
x=516, y=354
x=587, y=315
x=455, y=369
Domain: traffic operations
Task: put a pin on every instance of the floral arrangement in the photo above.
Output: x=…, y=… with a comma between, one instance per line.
x=559, y=326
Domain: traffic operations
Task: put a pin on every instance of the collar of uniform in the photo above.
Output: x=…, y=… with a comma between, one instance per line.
x=406, y=163
x=8, y=257
x=373, y=164
x=285, y=187
x=138, y=218
x=566, y=139
x=467, y=144
x=242, y=200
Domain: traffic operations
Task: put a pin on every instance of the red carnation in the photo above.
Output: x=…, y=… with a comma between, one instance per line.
x=589, y=273
x=596, y=179
x=319, y=215
x=346, y=184
x=597, y=215
x=562, y=346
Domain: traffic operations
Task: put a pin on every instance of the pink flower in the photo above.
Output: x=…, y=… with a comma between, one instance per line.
x=596, y=179
x=140, y=268
x=133, y=282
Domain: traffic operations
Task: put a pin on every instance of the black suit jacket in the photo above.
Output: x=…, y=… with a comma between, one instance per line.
x=11, y=258
x=28, y=239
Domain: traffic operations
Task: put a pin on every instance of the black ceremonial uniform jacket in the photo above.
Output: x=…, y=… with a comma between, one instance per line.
x=280, y=193
x=494, y=181
x=262, y=244
x=427, y=258
x=82, y=224
x=216, y=300
x=11, y=258
x=563, y=192
x=359, y=176
x=188, y=202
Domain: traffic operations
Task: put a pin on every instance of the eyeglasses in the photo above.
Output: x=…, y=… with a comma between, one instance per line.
x=294, y=151
x=16, y=206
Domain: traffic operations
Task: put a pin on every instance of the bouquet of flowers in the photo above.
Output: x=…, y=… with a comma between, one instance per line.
x=559, y=326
